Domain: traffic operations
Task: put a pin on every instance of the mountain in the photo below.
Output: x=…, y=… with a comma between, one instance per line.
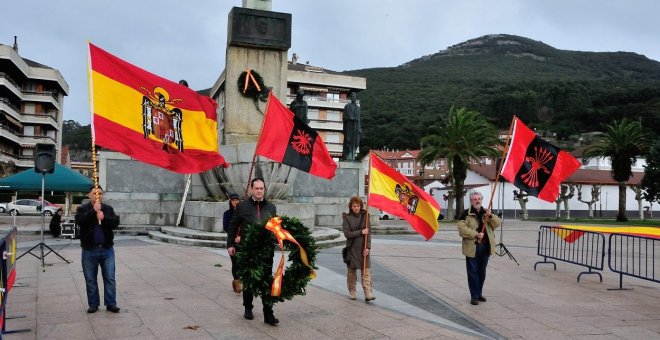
x=499, y=75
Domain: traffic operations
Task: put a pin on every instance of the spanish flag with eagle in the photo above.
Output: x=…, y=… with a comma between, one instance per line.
x=150, y=118
x=392, y=192
x=536, y=166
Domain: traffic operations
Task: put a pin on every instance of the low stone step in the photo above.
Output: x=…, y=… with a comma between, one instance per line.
x=325, y=237
x=194, y=234
x=159, y=236
x=136, y=229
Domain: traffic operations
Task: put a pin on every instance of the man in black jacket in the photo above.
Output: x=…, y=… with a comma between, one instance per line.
x=97, y=222
x=253, y=211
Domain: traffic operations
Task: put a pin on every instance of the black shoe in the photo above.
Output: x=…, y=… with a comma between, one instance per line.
x=474, y=302
x=482, y=299
x=248, y=314
x=91, y=310
x=113, y=309
x=271, y=319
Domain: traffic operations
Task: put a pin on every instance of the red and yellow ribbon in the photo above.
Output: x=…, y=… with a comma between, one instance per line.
x=248, y=77
x=274, y=225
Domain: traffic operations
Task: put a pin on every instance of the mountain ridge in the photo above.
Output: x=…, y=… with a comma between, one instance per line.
x=499, y=75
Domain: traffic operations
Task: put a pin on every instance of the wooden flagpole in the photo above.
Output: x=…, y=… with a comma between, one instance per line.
x=366, y=218
x=499, y=169
x=497, y=176
x=90, y=96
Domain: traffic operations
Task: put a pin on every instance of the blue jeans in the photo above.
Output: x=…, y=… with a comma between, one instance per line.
x=476, y=270
x=91, y=260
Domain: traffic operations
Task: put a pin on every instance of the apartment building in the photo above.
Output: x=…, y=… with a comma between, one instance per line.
x=326, y=94
x=31, y=107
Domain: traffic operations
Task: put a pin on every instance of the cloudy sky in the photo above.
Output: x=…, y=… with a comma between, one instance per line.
x=186, y=39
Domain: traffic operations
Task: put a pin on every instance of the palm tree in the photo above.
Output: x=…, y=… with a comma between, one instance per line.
x=463, y=136
x=623, y=141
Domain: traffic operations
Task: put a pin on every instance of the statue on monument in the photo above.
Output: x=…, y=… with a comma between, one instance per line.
x=299, y=107
x=352, y=128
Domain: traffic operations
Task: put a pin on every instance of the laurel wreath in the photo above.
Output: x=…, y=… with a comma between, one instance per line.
x=255, y=259
x=252, y=90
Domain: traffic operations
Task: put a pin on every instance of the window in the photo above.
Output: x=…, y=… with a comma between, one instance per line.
x=333, y=116
x=313, y=114
x=333, y=97
x=332, y=138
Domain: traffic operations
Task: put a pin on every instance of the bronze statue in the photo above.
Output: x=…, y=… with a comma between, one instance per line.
x=299, y=107
x=352, y=128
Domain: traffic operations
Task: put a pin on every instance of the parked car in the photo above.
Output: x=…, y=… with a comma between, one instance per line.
x=3, y=207
x=386, y=216
x=30, y=207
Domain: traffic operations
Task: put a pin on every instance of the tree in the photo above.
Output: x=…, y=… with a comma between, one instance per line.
x=464, y=136
x=623, y=141
x=595, y=196
x=651, y=181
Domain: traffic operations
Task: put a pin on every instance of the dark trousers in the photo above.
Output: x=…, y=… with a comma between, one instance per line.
x=247, y=302
x=234, y=267
x=476, y=269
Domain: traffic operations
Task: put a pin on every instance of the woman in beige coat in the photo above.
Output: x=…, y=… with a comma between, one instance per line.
x=355, y=230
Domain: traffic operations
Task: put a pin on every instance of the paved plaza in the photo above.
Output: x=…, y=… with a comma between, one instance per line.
x=178, y=292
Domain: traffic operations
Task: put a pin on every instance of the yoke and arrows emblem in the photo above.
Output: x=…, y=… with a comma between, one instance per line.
x=541, y=158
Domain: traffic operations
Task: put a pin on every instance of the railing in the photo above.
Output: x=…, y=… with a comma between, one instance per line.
x=9, y=103
x=634, y=256
x=9, y=79
x=583, y=248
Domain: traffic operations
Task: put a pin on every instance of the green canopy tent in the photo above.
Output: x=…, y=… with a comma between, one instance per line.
x=62, y=179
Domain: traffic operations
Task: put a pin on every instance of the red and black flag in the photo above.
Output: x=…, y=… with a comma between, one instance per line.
x=536, y=166
x=287, y=140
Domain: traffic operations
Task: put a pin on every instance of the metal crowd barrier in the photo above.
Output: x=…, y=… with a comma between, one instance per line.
x=634, y=256
x=583, y=248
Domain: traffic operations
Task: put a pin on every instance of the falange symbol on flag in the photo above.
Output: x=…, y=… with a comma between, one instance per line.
x=301, y=142
x=541, y=157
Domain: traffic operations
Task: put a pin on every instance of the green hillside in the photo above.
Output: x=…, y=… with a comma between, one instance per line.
x=562, y=93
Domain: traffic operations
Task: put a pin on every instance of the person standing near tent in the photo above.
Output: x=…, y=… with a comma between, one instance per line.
x=475, y=226
x=97, y=222
x=355, y=231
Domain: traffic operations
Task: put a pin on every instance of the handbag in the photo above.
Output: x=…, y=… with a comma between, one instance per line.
x=344, y=254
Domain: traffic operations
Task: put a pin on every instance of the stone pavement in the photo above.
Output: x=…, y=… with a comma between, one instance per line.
x=179, y=292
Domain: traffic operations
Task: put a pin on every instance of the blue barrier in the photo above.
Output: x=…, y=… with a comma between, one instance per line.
x=634, y=256
x=583, y=248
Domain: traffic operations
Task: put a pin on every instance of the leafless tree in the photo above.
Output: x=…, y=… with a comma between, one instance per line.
x=595, y=197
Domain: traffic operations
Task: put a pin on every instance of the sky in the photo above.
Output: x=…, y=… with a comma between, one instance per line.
x=187, y=39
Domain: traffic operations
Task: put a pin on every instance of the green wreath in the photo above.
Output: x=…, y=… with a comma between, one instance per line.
x=255, y=257
x=251, y=91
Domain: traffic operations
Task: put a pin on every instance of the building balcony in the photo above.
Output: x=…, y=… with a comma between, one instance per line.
x=10, y=133
x=41, y=97
x=321, y=102
x=7, y=106
x=318, y=124
x=27, y=118
x=34, y=140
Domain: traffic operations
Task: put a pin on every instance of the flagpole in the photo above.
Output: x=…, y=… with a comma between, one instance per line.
x=497, y=176
x=90, y=97
x=254, y=157
x=499, y=169
x=366, y=219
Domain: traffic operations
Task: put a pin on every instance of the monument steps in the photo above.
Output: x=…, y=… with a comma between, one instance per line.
x=325, y=237
x=136, y=229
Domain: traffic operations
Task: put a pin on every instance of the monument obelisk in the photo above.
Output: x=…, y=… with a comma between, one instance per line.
x=257, y=39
